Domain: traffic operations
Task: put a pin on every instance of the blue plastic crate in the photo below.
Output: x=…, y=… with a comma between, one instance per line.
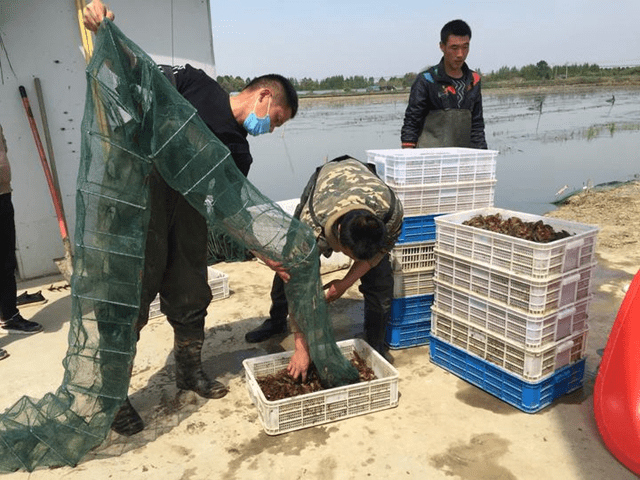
x=411, y=335
x=408, y=310
x=418, y=229
x=528, y=397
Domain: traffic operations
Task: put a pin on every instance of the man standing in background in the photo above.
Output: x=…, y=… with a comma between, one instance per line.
x=445, y=104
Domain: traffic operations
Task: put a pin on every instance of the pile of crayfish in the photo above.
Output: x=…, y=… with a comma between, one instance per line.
x=515, y=227
x=282, y=385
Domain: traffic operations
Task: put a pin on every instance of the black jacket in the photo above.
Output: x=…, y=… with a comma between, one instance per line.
x=212, y=103
x=433, y=89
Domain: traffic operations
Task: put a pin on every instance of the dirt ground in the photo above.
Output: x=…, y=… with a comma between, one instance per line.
x=616, y=212
x=442, y=428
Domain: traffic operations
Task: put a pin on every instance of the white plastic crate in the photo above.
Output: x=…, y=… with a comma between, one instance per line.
x=218, y=282
x=324, y=406
x=445, y=197
x=529, y=364
x=419, y=166
x=416, y=282
x=407, y=257
x=514, y=325
x=535, y=297
x=540, y=261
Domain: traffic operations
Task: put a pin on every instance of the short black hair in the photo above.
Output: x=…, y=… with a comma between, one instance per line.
x=362, y=232
x=459, y=28
x=286, y=93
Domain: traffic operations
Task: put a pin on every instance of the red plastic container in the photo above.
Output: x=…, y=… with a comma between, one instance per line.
x=616, y=396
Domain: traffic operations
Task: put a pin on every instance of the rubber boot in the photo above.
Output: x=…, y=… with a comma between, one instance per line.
x=127, y=421
x=189, y=373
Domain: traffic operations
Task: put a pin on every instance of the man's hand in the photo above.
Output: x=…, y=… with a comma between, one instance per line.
x=299, y=363
x=335, y=289
x=274, y=265
x=93, y=14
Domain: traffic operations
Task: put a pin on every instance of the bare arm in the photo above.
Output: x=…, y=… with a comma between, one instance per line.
x=299, y=363
x=336, y=288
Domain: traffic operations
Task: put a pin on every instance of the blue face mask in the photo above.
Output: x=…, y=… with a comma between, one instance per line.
x=258, y=126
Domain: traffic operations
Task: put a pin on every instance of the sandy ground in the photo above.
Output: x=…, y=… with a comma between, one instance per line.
x=442, y=428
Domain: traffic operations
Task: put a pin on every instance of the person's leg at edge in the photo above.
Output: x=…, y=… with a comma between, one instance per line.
x=11, y=320
x=8, y=289
x=277, y=321
x=377, y=288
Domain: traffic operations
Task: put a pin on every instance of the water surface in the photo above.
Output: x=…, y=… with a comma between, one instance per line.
x=545, y=142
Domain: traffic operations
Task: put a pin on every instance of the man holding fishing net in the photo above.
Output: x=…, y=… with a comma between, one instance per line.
x=176, y=249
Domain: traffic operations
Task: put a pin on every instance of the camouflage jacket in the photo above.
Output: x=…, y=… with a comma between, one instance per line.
x=341, y=186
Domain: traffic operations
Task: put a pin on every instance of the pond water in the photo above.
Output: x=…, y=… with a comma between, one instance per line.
x=545, y=142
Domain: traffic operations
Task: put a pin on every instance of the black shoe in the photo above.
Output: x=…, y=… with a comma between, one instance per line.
x=127, y=421
x=30, y=299
x=17, y=324
x=3, y=354
x=265, y=331
x=201, y=384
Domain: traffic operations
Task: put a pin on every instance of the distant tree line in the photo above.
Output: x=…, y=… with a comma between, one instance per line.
x=541, y=71
x=336, y=82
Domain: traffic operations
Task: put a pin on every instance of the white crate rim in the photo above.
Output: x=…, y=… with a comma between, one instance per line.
x=450, y=225
x=558, y=224
x=443, y=186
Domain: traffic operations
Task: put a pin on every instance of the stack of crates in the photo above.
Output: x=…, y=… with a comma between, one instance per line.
x=510, y=314
x=429, y=182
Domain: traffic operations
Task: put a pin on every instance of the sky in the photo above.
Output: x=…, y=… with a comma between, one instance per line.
x=323, y=38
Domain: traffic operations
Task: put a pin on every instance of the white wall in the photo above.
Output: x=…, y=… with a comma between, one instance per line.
x=42, y=40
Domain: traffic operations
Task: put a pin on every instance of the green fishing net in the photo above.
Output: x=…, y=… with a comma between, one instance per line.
x=135, y=121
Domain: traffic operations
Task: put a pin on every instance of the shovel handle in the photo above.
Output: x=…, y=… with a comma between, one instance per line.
x=45, y=165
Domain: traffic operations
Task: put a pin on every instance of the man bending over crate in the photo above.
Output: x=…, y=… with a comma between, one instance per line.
x=354, y=212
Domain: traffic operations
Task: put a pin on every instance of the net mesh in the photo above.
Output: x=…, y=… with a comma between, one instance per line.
x=135, y=121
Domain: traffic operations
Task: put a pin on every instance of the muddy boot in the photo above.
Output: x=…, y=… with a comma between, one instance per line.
x=127, y=421
x=189, y=373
